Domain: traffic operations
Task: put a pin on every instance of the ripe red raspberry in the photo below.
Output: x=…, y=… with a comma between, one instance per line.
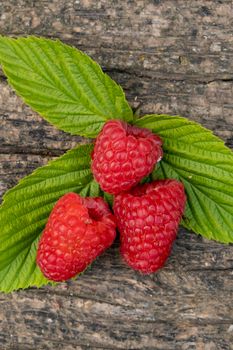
x=123, y=155
x=148, y=217
x=78, y=230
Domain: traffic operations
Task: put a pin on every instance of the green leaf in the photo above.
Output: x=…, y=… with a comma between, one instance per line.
x=62, y=84
x=26, y=208
x=204, y=164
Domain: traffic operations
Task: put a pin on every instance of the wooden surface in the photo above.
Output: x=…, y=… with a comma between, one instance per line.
x=170, y=56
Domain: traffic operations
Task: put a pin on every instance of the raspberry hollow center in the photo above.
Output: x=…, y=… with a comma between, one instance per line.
x=94, y=214
x=97, y=209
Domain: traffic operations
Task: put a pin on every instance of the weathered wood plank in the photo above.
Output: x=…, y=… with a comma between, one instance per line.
x=210, y=104
x=185, y=37
x=119, y=309
x=171, y=57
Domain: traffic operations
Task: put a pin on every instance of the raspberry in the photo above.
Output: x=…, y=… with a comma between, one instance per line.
x=123, y=155
x=148, y=217
x=78, y=230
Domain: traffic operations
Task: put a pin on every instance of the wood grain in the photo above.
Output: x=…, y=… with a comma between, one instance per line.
x=170, y=57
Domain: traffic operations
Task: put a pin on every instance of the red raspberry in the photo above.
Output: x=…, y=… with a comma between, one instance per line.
x=78, y=230
x=123, y=155
x=148, y=217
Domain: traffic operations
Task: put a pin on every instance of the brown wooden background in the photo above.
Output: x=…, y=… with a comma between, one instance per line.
x=173, y=57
